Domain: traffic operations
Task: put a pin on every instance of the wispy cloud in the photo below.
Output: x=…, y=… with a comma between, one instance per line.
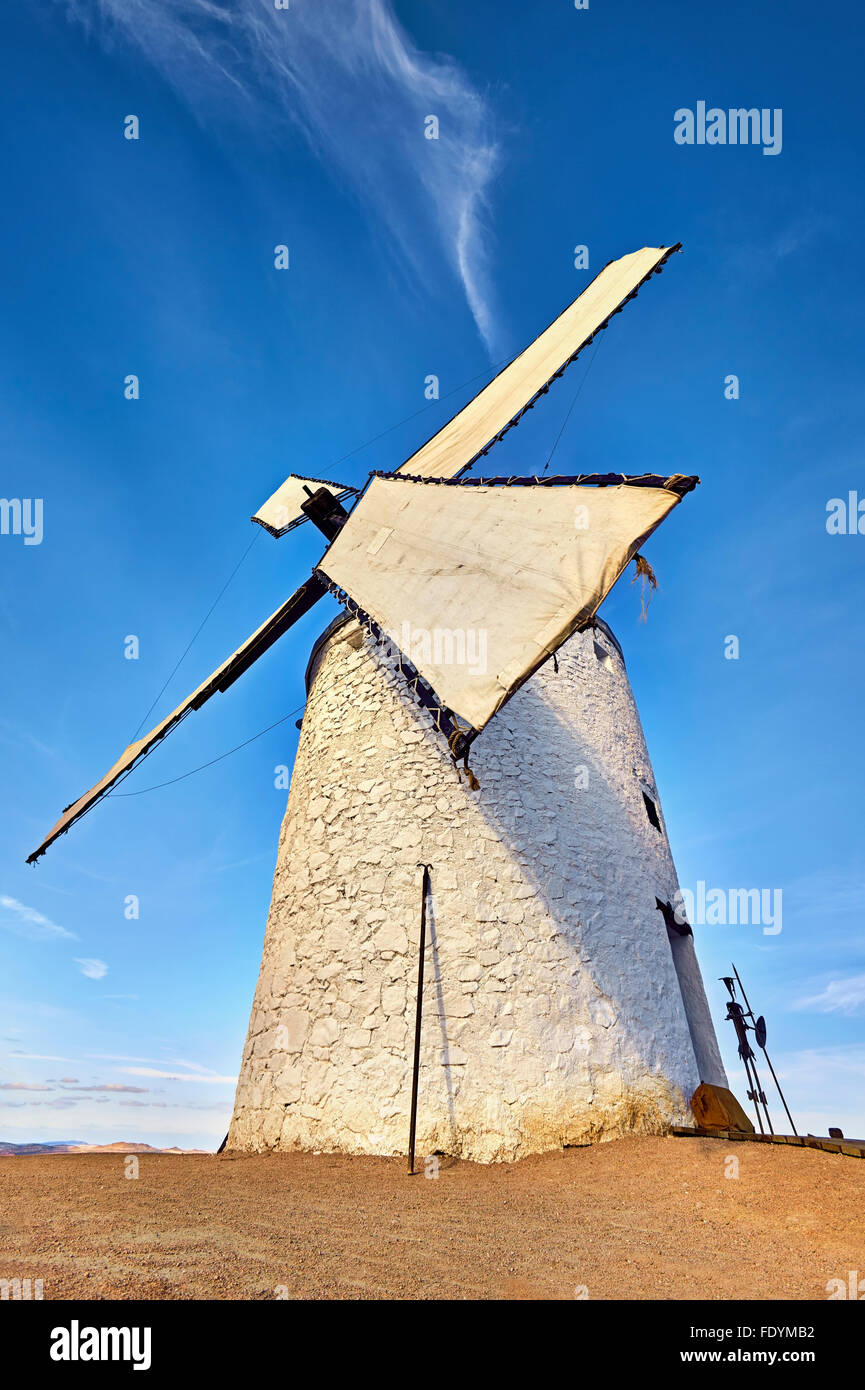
x=13, y=733
x=116, y=1057
x=758, y=258
x=27, y=922
x=192, y=1066
x=209, y=1079
x=110, y=1087
x=198, y=1071
x=239, y=863
x=359, y=89
x=825, y=1086
x=827, y=893
x=842, y=996
x=114, y=1086
x=819, y=1065
x=40, y=1057
x=92, y=968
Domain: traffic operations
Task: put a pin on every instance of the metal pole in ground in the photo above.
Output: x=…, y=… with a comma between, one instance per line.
x=417, y=1020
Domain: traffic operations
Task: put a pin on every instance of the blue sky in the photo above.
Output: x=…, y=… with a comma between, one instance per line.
x=408, y=257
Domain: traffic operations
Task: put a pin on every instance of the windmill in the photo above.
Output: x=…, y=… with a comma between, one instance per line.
x=576, y=1016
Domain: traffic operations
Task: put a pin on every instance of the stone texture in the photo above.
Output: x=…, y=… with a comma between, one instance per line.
x=556, y=1009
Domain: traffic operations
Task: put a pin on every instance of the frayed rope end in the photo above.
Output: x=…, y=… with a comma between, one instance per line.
x=646, y=574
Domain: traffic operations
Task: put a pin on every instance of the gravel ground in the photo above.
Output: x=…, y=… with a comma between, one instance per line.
x=641, y=1218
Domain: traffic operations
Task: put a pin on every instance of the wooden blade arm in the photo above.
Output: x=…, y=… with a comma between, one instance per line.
x=224, y=676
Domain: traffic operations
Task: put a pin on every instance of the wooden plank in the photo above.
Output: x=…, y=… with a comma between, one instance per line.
x=853, y=1148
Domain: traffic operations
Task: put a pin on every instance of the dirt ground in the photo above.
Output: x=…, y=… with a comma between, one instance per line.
x=640, y=1218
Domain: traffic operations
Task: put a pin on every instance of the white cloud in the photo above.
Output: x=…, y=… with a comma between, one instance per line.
x=824, y=1086
x=843, y=996
x=360, y=91
x=27, y=922
x=115, y=1057
x=152, y=1061
x=114, y=1086
x=210, y=1079
x=41, y=1057
x=93, y=969
x=192, y=1066
x=198, y=1072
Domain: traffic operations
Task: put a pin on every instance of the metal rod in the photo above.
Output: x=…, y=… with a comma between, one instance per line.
x=761, y=1093
x=744, y=995
x=768, y=1059
x=753, y=1093
x=781, y=1093
x=417, y=1019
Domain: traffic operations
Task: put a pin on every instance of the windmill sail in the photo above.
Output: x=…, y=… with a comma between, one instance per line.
x=225, y=675
x=494, y=410
x=282, y=511
x=491, y=578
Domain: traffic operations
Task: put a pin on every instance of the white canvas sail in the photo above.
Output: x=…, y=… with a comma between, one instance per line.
x=494, y=409
x=478, y=585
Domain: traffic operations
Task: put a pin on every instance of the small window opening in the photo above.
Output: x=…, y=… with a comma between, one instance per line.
x=652, y=811
x=603, y=656
x=674, y=920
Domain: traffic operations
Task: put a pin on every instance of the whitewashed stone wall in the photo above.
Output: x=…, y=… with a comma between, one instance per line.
x=553, y=1010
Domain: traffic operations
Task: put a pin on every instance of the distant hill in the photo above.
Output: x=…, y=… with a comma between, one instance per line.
x=61, y=1146
x=78, y=1146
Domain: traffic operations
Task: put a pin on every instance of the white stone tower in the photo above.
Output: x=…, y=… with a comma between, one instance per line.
x=558, y=1006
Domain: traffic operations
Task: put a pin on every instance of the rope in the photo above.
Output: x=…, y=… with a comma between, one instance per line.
x=646, y=575
x=202, y=766
x=179, y=663
x=423, y=409
x=573, y=403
